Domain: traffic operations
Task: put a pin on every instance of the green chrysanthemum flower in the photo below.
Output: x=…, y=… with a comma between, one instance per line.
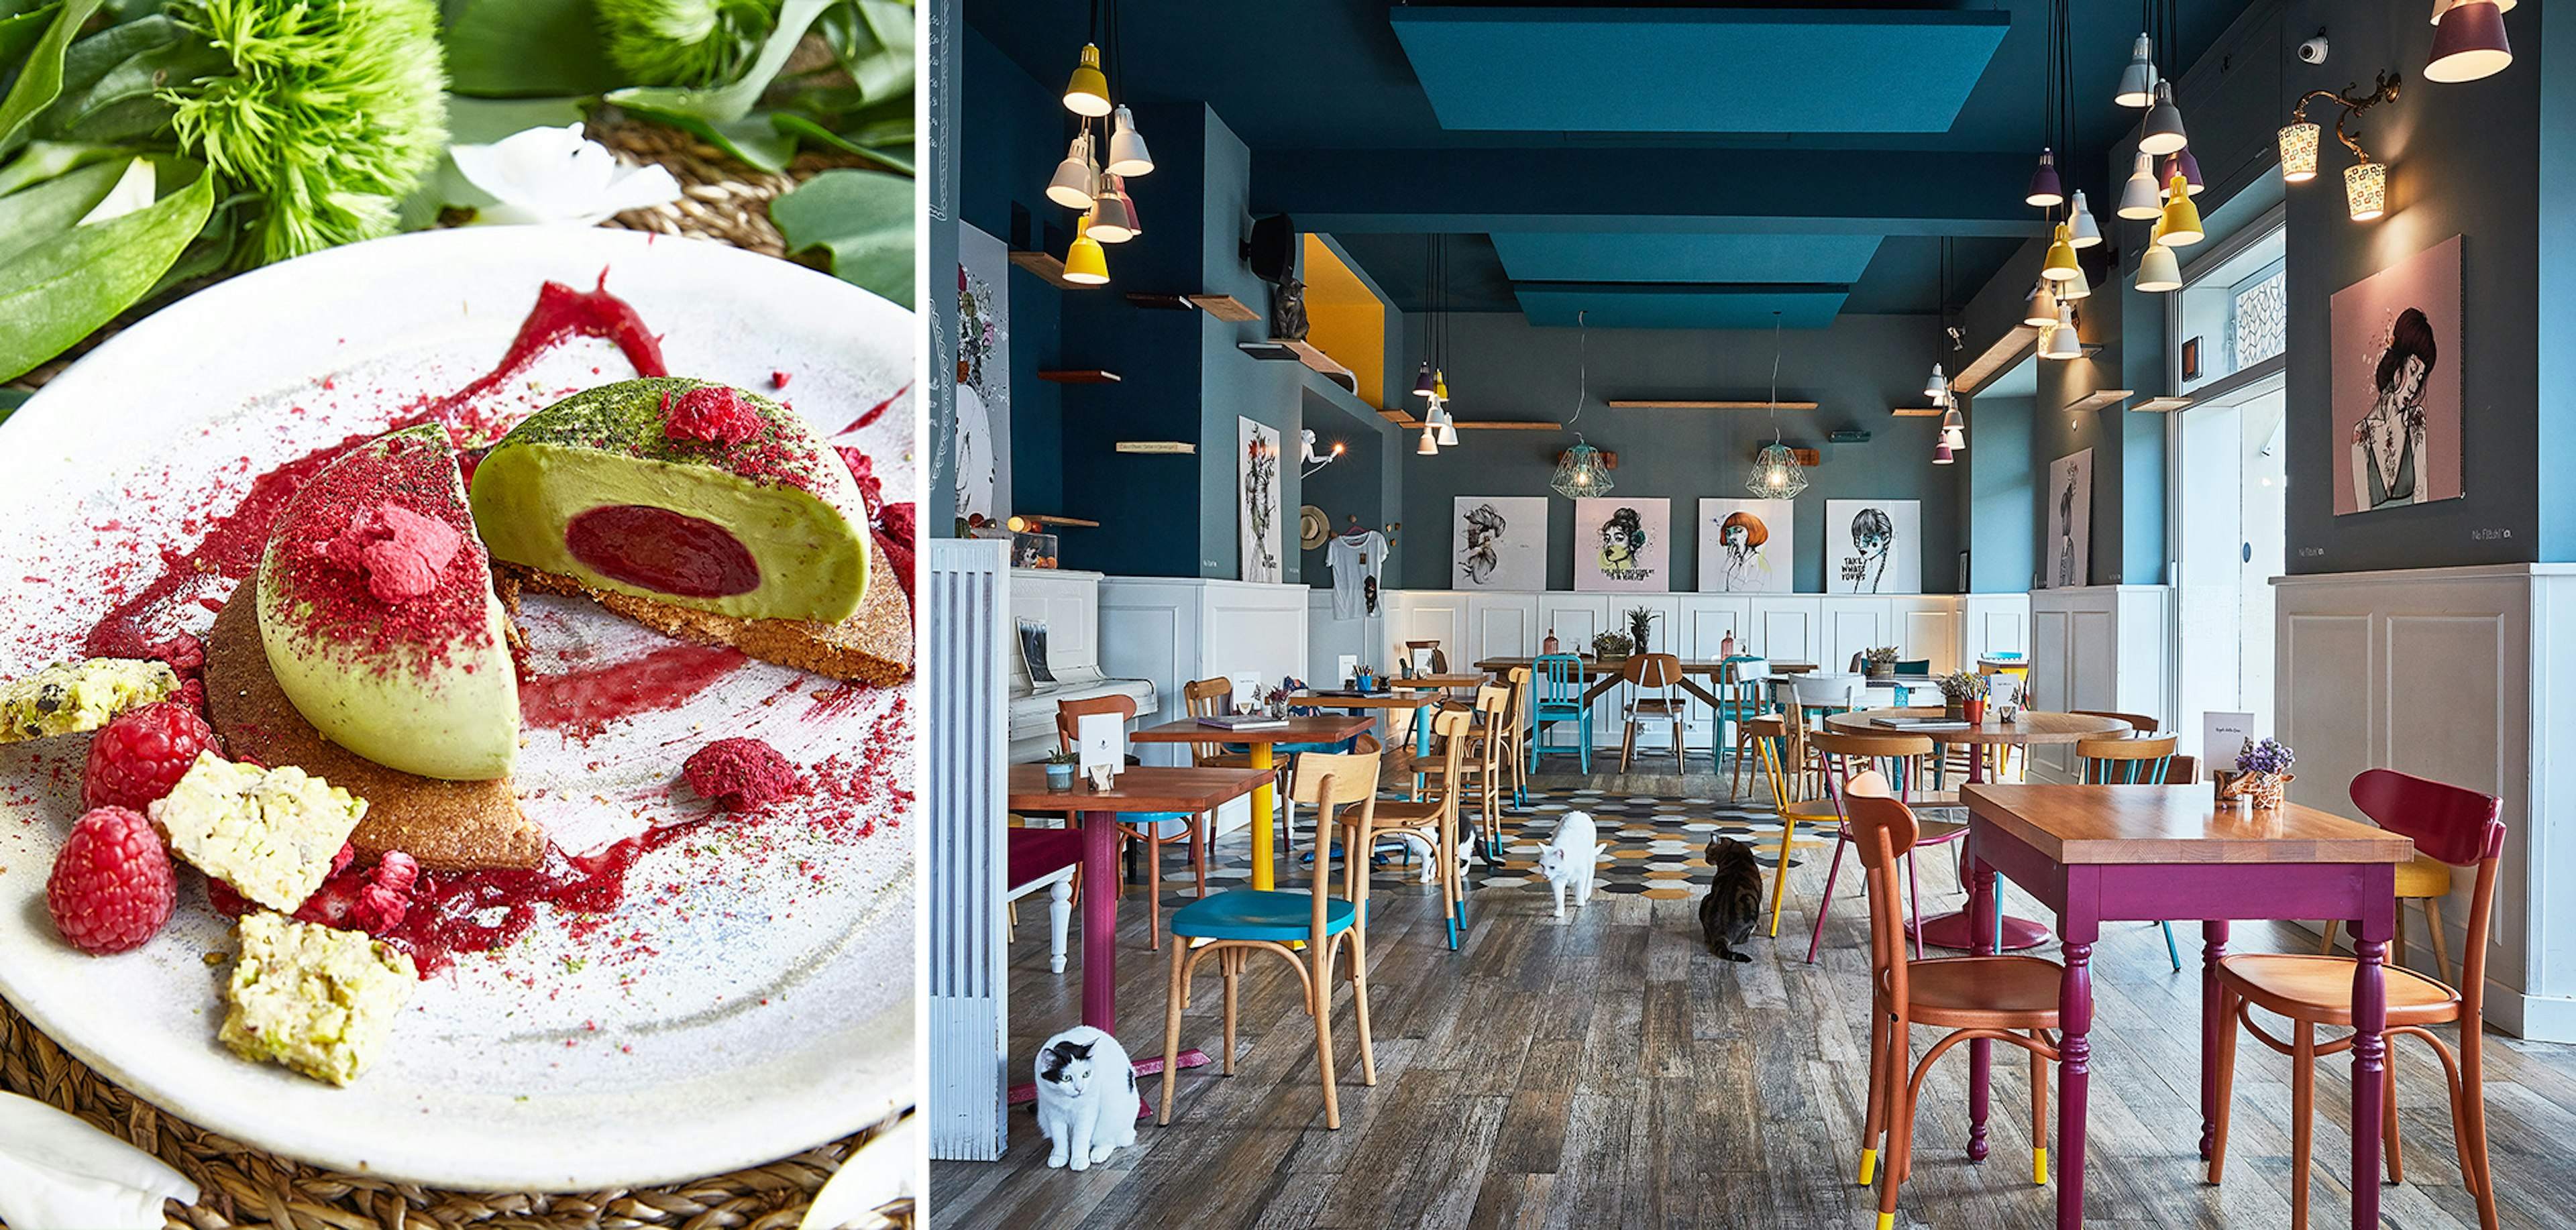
x=684, y=42
x=332, y=112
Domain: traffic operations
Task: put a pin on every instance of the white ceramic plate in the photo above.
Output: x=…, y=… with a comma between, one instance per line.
x=753, y=997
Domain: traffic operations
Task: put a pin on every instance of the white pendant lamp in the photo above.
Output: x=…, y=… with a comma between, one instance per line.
x=2138, y=80
x=1430, y=446
x=1113, y=216
x=1127, y=156
x=1448, y=429
x=1075, y=183
x=2041, y=310
x=2158, y=270
x=2139, y=197
x=2086, y=232
x=2062, y=342
x=2074, y=288
x=1938, y=386
x=2164, y=124
x=1954, y=430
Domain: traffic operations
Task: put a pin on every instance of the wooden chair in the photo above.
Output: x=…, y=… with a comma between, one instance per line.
x=1557, y=696
x=2005, y=998
x=1897, y=758
x=1488, y=758
x=2116, y=761
x=1146, y=827
x=1239, y=922
x=1439, y=660
x=1745, y=694
x=2140, y=725
x=1661, y=672
x=1516, y=731
x=1212, y=698
x=1431, y=825
x=1790, y=801
x=2461, y=828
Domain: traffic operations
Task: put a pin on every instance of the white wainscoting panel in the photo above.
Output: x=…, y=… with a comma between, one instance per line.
x=2466, y=676
x=2103, y=647
x=1993, y=623
x=1172, y=630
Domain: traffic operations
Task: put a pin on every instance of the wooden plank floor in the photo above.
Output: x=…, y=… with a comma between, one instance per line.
x=1604, y=1070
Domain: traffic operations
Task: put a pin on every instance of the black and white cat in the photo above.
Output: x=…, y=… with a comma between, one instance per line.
x=1087, y=1100
x=1734, y=900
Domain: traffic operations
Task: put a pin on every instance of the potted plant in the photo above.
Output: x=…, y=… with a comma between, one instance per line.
x=1275, y=701
x=1641, y=626
x=1964, y=695
x=2266, y=766
x=1059, y=770
x=1611, y=646
x=1880, y=662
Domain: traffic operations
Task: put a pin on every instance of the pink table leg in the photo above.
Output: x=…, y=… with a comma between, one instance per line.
x=2369, y=1061
x=2074, y=1074
x=1951, y=930
x=2213, y=1027
x=1100, y=920
x=1980, y=915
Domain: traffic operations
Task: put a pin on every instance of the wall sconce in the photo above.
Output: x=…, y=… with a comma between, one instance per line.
x=1312, y=458
x=2365, y=183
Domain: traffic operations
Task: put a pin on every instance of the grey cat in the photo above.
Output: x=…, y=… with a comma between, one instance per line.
x=1734, y=900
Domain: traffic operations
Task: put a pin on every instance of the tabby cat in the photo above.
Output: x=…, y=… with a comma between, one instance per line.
x=1734, y=900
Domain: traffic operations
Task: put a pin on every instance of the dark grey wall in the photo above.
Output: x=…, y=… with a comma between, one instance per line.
x=1504, y=368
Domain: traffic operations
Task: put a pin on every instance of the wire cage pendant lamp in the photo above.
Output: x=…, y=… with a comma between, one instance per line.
x=1580, y=472
x=1776, y=473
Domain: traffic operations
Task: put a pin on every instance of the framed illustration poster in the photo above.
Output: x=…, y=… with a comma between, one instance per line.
x=1498, y=542
x=2396, y=385
x=983, y=430
x=1622, y=546
x=1256, y=466
x=1873, y=546
x=2068, y=561
x=1745, y=546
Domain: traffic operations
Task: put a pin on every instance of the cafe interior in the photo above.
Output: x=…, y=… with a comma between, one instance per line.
x=1806, y=614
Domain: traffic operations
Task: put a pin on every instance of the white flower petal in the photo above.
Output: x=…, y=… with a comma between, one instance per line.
x=552, y=176
x=59, y=1173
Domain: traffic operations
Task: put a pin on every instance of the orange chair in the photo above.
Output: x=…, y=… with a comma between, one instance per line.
x=2461, y=828
x=2011, y=999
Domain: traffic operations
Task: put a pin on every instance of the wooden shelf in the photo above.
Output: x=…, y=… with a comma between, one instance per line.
x=1414, y=424
x=1045, y=265
x=1709, y=405
x=1046, y=519
x=1172, y=447
x=2098, y=399
x=2160, y=405
x=2006, y=351
x=1080, y=376
x=1223, y=307
x=1916, y=412
x=1280, y=348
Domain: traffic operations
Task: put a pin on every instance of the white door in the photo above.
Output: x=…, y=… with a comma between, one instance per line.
x=2231, y=544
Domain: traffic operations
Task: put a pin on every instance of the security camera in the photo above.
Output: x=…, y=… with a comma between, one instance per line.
x=2313, y=51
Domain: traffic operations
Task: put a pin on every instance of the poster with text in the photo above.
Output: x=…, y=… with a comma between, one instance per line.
x=2396, y=385
x=1256, y=464
x=1873, y=546
x=983, y=430
x=1622, y=546
x=1499, y=542
x=2069, y=559
x=1745, y=547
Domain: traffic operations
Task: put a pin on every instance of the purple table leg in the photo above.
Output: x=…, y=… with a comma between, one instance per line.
x=2369, y=1060
x=1982, y=909
x=2213, y=1027
x=1100, y=921
x=2074, y=1069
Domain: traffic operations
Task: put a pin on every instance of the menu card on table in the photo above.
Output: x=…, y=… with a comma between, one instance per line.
x=2222, y=735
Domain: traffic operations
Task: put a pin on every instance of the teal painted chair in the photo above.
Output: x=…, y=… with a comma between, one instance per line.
x=1556, y=695
x=1743, y=694
x=1237, y=923
x=2131, y=762
x=1914, y=668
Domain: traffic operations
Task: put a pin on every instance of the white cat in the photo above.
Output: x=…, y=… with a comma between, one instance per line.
x=1087, y=1100
x=1569, y=857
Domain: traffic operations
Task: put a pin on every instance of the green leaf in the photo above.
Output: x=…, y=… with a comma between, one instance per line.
x=112, y=81
x=52, y=207
x=53, y=295
x=10, y=400
x=754, y=138
x=20, y=31
x=527, y=48
x=43, y=160
x=894, y=154
x=724, y=105
x=42, y=79
x=863, y=219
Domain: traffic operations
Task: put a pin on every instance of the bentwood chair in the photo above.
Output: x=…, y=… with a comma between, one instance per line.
x=1744, y=694
x=1660, y=673
x=2116, y=761
x=2004, y=998
x=1557, y=696
x=2461, y=828
x=1896, y=758
x=1152, y=828
x=1430, y=826
x=2140, y=725
x=1516, y=732
x=1488, y=760
x=1791, y=801
x=1239, y=922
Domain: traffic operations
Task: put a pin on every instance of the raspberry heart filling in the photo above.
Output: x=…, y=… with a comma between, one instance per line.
x=658, y=549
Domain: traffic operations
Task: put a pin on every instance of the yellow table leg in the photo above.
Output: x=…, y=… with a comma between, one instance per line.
x=1265, y=820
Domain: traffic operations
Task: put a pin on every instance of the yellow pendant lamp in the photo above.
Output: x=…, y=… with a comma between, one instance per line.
x=1084, y=263
x=2182, y=218
x=2060, y=265
x=1088, y=92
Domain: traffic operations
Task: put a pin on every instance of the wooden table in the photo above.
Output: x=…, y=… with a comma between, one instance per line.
x=1325, y=728
x=2032, y=726
x=2153, y=853
x=1608, y=673
x=1440, y=682
x=1145, y=788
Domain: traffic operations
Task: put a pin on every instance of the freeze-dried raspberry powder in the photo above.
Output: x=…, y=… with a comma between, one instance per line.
x=741, y=774
x=398, y=551
x=710, y=413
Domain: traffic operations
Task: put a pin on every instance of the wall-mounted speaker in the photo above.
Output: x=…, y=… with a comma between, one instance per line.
x=1272, y=249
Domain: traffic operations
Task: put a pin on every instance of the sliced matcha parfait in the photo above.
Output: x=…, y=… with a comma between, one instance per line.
x=377, y=612
x=681, y=491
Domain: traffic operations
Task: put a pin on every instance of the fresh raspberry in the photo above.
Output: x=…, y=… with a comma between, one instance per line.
x=112, y=887
x=863, y=471
x=712, y=414
x=398, y=551
x=373, y=901
x=741, y=774
x=141, y=753
x=778, y=380
x=895, y=537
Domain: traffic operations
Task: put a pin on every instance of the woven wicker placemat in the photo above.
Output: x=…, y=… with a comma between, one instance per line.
x=723, y=201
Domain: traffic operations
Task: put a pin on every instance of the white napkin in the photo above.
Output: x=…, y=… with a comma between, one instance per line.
x=58, y=1173
x=880, y=1173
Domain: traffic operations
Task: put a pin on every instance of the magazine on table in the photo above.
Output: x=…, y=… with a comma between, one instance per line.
x=1244, y=721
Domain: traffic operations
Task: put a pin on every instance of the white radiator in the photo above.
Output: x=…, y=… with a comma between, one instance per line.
x=966, y=655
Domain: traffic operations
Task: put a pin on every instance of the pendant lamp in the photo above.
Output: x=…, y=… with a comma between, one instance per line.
x=1448, y=426
x=2138, y=80
x=2158, y=270
x=1422, y=383
x=2060, y=264
x=2182, y=218
x=1127, y=156
x=1084, y=263
x=1579, y=472
x=2468, y=41
x=2045, y=190
x=1430, y=446
x=1938, y=386
x=1954, y=430
x=2041, y=312
x=1440, y=386
x=2299, y=151
x=2074, y=288
x=2140, y=198
x=1776, y=474
x=1113, y=218
x=2365, y=184
x=2086, y=232
x=2180, y=162
x=1941, y=453
x=2164, y=124
x=1088, y=92
x=2062, y=342
x=1075, y=183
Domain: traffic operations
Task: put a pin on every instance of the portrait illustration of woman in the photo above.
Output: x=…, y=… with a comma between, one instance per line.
x=2388, y=442
x=1872, y=533
x=1742, y=534
x=1623, y=538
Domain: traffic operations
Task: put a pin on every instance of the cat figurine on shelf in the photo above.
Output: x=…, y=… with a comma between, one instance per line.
x=1087, y=1101
x=1734, y=901
x=1569, y=857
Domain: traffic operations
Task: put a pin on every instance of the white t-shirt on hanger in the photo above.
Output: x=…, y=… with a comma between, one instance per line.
x=1355, y=559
